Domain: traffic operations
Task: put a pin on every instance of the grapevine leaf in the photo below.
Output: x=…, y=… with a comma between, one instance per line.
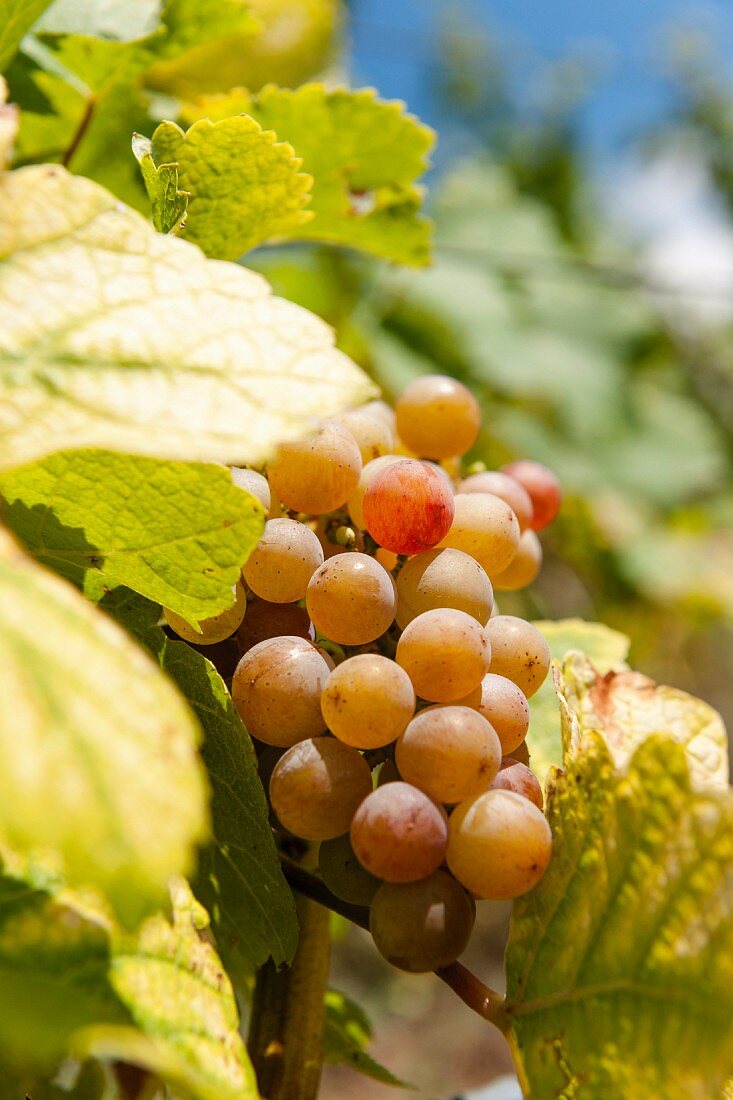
x=606, y=648
x=16, y=17
x=238, y=876
x=346, y=1035
x=136, y=342
x=245, y=186
x=98, y=749
x=364, y=155
x=176, y=532
x=620, y=962
x=161, y=183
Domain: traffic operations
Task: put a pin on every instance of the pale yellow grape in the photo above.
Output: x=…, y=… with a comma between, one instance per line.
x=368, y=701
x=284, y=560
x=398, y=833
x=524, y=566
x=503, y=486
x=215, y=629
x=443, y=578
x=450, y=752
x=519, y=652
x=316, y=787
x=484, y=527
x=316, y=474
x=505, y=706
x=351, y=599
x=343, y=874
x=355, y=501
x=253, y=483
x=371, y=432
x=383, y=410
x=499, y=844
x=445, y=653
x=437, y=417
x=277, y=688
x=422, y=926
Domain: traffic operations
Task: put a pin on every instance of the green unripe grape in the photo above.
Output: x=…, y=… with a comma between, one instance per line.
x=421, y=926
x=343, y=874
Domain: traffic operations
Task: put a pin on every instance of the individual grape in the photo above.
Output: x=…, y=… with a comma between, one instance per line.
x=445, y=653
x=521, y=754
x=517, y=777
x=253, y=483
x=215, y=629
x=343, y=874
x=421, y=926
x=388, y=773
x=408, y=506
x=368, y=701
x=316, y=474
x=283, y=561
x=277, y=689
x=519, y=652
x=351, y=599
x=273, y=620
x=355, y=502
x=371, y=432
x=542, y=486
x=499, y=844
x=451, y=753
x=398, y=833
x=443, y=578
x=386, y=558
x=437, y=417
x=506, y=488
x=385, y=411
x=484, y=527
x=505, y=706
x=316, y=787
x=524, y=566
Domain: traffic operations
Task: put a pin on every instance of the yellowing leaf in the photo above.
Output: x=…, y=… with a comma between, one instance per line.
x=620, y=962
x=245, y=186
x=177, y=532
x=98, y=749
x=136, y=342
x=161, y=183
x=364, y=155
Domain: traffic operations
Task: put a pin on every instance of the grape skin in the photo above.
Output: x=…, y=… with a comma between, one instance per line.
x=499, y=844
x=399, y=834
x=343, y=874
x=277, y=688
x=517, y=777
x=273, y=620
x=421, y=926
x=253, y=483
x=355, y=501
x=445, y=653
x=284, y=560
x=449, y=752
x=519, y=652
x=443, y=578
x=506, y=488
x=505, y=706
x=316, y=786
x=215, y=629
x=543, y=489
x=484, y=527
x=370, y=429
x=351, y=599
x=368, y=701
x=408, y=506
x=317, y=474
x=524, y=566
x=437, y=417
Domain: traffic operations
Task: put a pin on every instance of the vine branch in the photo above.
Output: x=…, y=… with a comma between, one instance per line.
x=81, y=129
x=480, y=998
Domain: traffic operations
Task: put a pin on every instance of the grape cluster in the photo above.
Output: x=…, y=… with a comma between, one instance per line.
x=387, y=693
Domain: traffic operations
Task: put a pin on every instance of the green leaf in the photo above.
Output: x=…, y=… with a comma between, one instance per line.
x=238, y=877
x=136, y=342
x=176, y=532
x=620, y=962
x=161, y=183
x=346, y=1036
x=364, y=155
x=16, y=17
x=245, y=186
x=606, y=648
x=98, y=749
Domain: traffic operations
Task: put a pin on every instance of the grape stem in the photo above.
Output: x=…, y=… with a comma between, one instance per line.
x=483, y=1000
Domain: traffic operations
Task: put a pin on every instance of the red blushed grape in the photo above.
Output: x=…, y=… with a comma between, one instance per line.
x=543, y=488
x=506, y=488
x=398, y=833
x=517, y=777
x=408, y=507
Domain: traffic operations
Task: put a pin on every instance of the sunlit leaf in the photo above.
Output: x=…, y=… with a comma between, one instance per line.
x=168, y=202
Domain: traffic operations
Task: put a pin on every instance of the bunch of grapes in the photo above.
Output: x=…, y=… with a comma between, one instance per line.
x=386, y=693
